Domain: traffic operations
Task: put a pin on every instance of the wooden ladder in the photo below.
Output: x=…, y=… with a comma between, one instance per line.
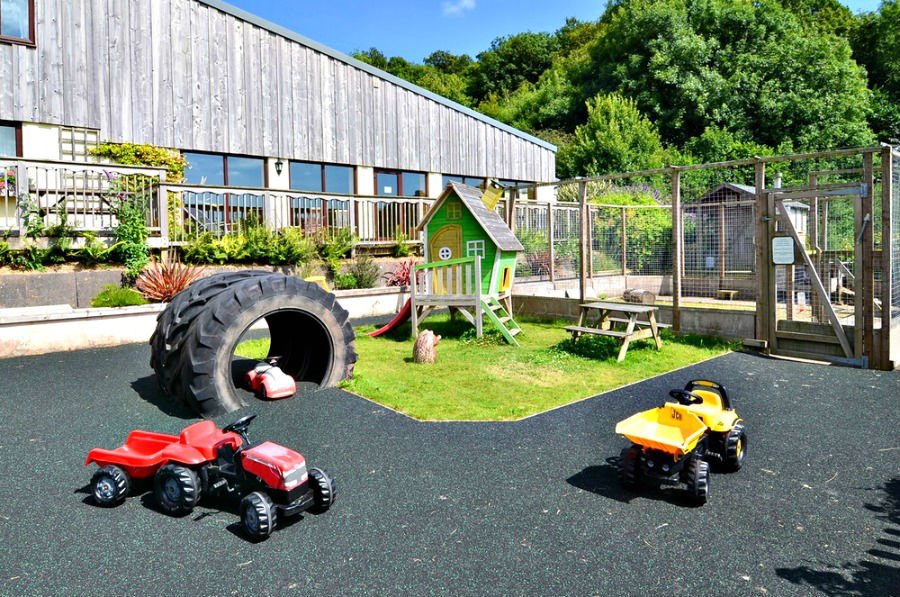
x=501, y=319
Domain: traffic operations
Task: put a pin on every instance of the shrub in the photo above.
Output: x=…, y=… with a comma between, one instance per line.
x=94, y=251
x=366, y=272
x=345, y=281
x=131, y=232
x=5, y=254
x=162, y=280
x=333, y=248
x=401, y=249
x=116, y=296
x=294, y=248
x=201, y=249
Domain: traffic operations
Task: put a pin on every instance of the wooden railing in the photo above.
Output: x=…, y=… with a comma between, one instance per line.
x=448, y=281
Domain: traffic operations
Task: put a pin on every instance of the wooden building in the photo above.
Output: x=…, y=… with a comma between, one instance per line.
x=250, y=103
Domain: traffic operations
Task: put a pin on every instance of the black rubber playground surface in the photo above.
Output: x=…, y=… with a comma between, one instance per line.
x=464, y=508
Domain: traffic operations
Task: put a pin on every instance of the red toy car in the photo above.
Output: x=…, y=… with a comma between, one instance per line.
x=205, y=460
x=268, y=381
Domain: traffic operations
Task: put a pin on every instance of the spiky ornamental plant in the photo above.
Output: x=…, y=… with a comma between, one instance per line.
x=162, y=280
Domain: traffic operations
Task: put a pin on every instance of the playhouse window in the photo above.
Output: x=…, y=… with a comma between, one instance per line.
x=475, y=248
x=454, y=211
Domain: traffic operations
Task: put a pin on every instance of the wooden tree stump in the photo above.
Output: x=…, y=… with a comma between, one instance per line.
x=424, y=348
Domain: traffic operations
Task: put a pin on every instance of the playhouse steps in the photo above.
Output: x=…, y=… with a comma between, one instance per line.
x=501, y=319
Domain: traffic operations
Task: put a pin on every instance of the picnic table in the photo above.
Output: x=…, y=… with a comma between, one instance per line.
x=625, y=329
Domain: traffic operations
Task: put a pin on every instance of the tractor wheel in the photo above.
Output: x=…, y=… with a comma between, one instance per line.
x=630, y=467
x=309, y=331
x=698, y=480
x=735, y=448
x=324, y=489
x=174, y=322
x=177, y=489
x=258, y=515
x=109, y=486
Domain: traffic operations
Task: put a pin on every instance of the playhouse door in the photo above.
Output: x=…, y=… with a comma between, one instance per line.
x=443, y=245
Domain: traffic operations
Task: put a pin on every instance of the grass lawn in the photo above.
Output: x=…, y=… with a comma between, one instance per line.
x=489, y=380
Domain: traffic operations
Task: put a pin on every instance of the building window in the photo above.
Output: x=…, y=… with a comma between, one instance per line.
x=10, y=139
x=213, y=169
x=454, y=211
x=317, y=178
x=475, y=248
x=393, y=183
x=17, y=21
x=472, y=181
x=75, y=143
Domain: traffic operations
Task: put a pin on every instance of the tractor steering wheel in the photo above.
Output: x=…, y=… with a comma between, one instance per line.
x=685, y=397
x=240, y=427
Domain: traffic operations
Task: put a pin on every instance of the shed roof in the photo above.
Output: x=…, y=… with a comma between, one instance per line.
x=492, y=223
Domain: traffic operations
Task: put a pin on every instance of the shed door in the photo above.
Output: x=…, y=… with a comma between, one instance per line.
x=446, y=243
x=443, y=245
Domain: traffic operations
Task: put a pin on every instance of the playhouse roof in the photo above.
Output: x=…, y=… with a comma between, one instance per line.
x=746, y=192
x=492, y=223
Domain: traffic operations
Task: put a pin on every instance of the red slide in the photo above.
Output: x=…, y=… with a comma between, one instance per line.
x=401, y=317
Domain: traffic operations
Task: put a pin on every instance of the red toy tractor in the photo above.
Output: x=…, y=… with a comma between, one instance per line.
x=204, y=460
x=269, y=382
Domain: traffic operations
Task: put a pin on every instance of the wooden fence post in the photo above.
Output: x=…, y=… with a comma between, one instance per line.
x=552, y=252
x=677, y=250
x=624, y=247
x=585, y=222
x=887, y=236
x=868, y=255
x=763, y=265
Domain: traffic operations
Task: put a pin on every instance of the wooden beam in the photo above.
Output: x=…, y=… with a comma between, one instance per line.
x=721, y=246
x=677, y=250
x=887, y=276
x=585, y=217
x=815, y=303
x=817, y=283
x=763, y=263
x=552, y=264
x=624, y=246
x=868, y=265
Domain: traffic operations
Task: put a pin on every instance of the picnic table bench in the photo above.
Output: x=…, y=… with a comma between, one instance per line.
x=624, y=329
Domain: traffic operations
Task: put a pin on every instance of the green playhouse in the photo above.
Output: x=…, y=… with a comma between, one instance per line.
x=470, y=261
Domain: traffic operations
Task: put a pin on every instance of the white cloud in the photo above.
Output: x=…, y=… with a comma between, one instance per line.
x=457, y=7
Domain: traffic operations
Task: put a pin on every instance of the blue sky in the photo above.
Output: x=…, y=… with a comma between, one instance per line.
x=415, y=28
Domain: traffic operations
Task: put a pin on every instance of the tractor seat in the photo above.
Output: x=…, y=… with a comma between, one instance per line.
x=712, y=411
x=206, y=438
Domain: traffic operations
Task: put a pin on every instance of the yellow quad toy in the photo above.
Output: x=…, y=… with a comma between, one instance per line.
x=677, y=441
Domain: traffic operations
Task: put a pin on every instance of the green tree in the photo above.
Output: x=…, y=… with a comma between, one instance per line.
x=511, y=61
x=734, y=64
x=447, y=62
x=876, y=45
x=615, y=138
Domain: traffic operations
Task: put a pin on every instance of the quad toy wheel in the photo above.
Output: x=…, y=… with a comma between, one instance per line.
x=698, y=480
x=735, y=448
x=109, y=486
x=258, y=515
x=629, y=467
x=324, y=489
x=177, y=489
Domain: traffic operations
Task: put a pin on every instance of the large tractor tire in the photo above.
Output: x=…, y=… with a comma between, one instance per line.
x=309, y=331
x=173, y=323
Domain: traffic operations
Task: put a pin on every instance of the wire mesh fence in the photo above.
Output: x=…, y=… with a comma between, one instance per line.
x=895, y=253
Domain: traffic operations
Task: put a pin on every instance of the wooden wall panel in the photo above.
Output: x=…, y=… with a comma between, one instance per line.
x=184, y=74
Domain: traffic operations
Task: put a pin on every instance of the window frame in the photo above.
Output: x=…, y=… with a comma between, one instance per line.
x=224, y=156
x=17, y=126
x=399, y=174
x=322, y=166
x=32, y=30
x=475, y=248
